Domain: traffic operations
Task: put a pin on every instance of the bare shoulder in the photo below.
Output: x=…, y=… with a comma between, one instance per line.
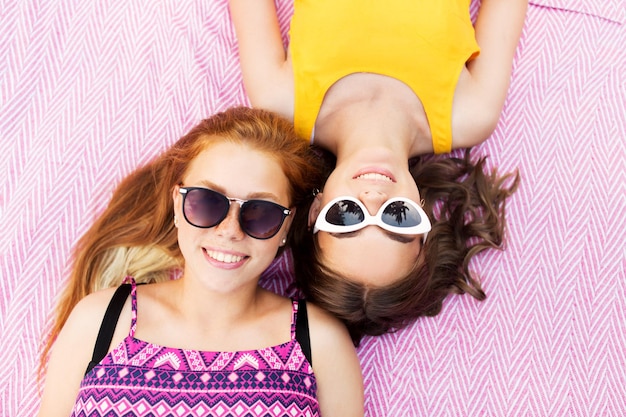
x=90, y=310
x=72, y=352
x=273, y=92
x=84, y=322
x=336, y=365
x=330, y=340
x=324, y=325
x=484, y=84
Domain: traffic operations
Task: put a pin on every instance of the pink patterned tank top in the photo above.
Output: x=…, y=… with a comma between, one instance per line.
x=142, y=379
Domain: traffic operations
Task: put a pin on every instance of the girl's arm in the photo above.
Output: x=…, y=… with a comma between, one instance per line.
x=71, y=354
x=266, y=71
x=479, y=102
x=336, y=366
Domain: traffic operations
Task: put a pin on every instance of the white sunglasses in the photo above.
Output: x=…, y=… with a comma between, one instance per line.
x=398, y=215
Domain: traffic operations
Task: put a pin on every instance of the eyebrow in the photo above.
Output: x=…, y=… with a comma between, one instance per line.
x=393, y=236
x=251, y=196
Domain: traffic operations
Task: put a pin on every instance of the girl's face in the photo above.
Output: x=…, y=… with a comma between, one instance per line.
x=223, y=257
x=372, y=255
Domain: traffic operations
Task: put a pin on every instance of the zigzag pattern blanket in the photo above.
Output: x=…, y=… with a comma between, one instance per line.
x=90, y=90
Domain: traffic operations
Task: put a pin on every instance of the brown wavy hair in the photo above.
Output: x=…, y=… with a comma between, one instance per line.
x=135, y=235
x=466, y=206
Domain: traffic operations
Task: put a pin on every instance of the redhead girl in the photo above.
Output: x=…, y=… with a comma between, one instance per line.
x=219, y=205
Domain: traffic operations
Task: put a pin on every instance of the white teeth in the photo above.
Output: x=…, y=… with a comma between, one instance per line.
x=374, y=176
x=224, y=257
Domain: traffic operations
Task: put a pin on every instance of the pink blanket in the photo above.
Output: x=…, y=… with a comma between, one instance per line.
x=91, y=89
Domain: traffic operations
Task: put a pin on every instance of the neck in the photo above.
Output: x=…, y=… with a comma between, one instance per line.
x=197, y=302
x=362, y=125
x=370, y=110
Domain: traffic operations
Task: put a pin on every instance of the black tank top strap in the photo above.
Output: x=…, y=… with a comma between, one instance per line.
x=302, y=329
x=109, y=322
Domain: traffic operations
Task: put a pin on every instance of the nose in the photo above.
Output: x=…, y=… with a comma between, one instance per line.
x=372, y=200
x=230, y=227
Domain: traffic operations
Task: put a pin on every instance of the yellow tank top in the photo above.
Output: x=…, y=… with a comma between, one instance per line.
x=423, y=43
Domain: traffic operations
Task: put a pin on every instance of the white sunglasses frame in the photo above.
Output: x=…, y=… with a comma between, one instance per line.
x=321, y=224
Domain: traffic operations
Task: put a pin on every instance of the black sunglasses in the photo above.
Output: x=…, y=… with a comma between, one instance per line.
x=206, y=208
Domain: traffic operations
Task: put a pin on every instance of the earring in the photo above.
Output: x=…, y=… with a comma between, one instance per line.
x=175, y=221
x=282, y=242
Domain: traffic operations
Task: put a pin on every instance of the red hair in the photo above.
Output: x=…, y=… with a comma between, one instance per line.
x=136, y=236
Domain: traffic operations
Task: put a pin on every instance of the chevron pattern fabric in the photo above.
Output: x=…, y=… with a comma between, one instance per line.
x=90, y=90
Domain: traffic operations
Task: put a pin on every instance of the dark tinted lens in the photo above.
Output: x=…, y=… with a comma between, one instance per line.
x=401, y=214
x=261, y=219
x=345, y=213
x=205, y=208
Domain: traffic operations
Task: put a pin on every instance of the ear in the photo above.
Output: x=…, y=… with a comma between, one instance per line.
x=176, y=196
x=314, y=210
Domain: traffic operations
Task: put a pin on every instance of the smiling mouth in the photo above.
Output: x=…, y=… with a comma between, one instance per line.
x=224, y=257
x=374, y=176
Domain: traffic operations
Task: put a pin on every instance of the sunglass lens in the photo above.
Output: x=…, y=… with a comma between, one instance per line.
x=345, y=213
x=261, y=219
x=205, y=208
x=401, y=214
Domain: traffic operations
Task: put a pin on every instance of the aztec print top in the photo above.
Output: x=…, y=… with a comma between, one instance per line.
x=143, y=379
